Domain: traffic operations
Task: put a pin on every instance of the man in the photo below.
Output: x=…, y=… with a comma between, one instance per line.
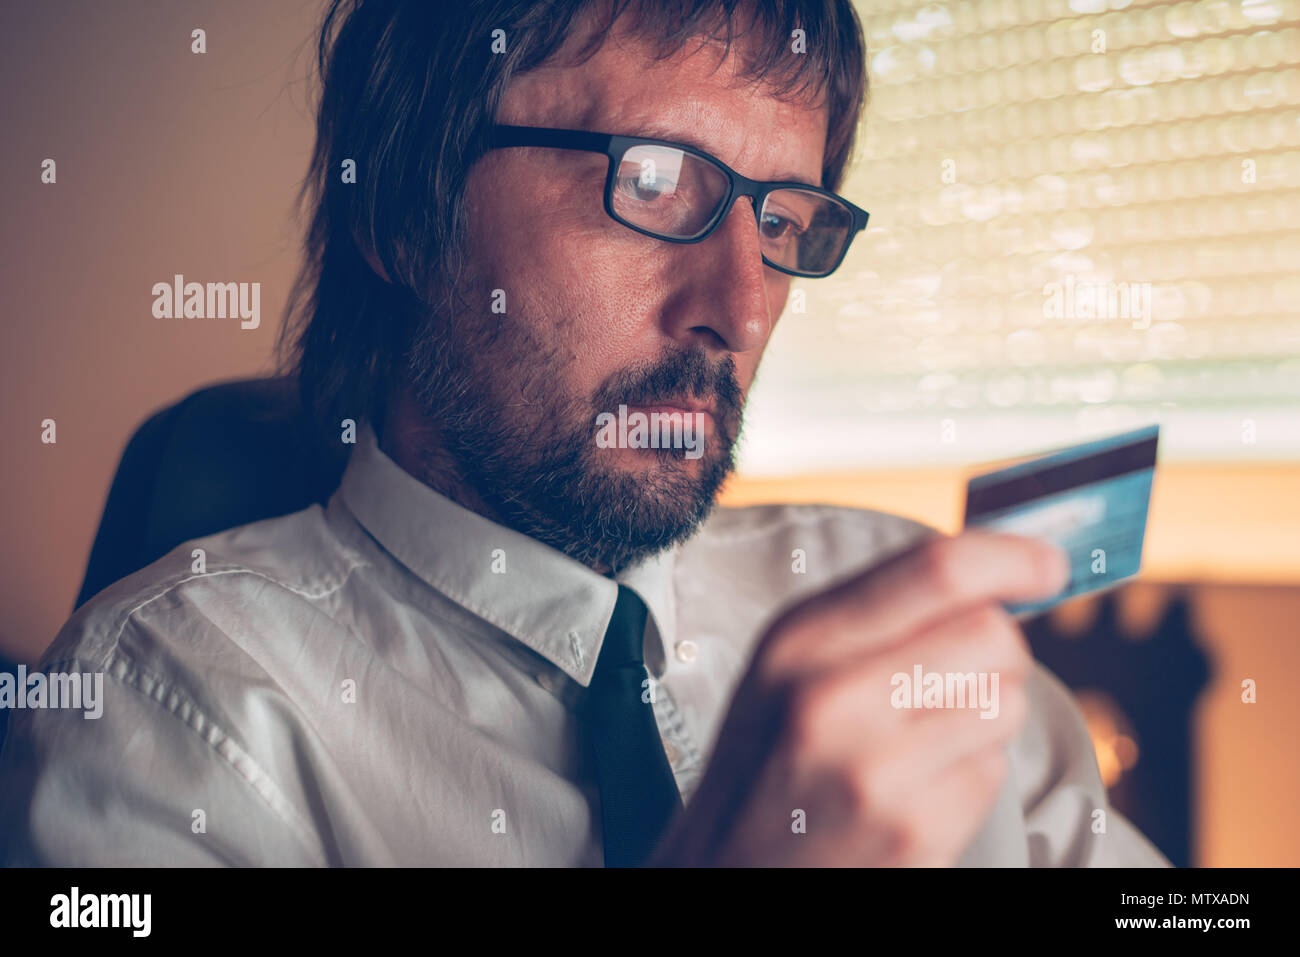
x=516, y=634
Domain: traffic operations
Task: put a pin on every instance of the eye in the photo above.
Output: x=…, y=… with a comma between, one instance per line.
x=780, y=229
x=639, y=188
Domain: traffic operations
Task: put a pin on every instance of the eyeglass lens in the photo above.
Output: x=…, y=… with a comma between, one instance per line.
x=676, y=195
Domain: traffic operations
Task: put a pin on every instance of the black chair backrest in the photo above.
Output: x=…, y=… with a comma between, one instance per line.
x=225, y=455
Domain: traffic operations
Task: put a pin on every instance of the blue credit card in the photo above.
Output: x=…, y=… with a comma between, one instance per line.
x=1090, y=499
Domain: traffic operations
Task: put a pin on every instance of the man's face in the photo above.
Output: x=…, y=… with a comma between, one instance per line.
x=597, y=315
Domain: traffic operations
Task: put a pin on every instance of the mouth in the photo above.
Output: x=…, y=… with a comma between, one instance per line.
x=678, y=405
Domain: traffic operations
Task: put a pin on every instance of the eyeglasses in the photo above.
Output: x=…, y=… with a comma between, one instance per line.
x=680, y=194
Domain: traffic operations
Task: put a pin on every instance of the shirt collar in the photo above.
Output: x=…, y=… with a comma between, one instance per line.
x=555, y=605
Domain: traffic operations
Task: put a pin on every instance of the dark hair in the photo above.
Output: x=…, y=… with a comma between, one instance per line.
x=407, y=91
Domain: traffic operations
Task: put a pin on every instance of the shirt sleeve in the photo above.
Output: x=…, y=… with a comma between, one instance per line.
x=1068, y=820
x=151, y=782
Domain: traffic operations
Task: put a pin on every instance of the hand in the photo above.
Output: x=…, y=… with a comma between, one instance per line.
x=812, y=728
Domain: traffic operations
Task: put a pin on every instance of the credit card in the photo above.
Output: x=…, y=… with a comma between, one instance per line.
x=1091, y=499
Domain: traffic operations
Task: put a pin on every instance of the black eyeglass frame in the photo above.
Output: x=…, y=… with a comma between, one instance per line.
x=614, y=146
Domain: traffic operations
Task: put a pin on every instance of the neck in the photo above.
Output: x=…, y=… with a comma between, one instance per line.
x=415, y=443
x=410, y=439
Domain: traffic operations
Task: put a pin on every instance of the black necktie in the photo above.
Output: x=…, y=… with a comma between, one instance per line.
x=638, y=795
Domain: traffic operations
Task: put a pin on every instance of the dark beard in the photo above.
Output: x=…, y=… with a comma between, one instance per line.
x=529, y=452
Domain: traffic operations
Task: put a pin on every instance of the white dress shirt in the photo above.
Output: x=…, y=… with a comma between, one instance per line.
x=391, y=680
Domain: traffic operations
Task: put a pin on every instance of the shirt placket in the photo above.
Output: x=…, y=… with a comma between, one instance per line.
x=679, y=745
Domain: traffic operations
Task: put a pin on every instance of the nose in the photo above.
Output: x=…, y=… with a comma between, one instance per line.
x=722, y=291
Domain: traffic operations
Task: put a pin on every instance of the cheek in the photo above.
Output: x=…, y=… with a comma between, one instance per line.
x=580, y=305
x=746, y=368
x=586, y=285
x=778, y=292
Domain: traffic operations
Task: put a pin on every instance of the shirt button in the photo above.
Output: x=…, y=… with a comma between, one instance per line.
x=546, y=681
x=687, y=650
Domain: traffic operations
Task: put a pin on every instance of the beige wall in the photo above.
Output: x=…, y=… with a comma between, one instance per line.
x=168, y=162
x=1249, y=775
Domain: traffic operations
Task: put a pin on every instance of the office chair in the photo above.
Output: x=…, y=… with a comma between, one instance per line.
x=225, y=455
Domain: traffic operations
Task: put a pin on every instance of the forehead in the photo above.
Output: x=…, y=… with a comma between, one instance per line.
x=696, y=96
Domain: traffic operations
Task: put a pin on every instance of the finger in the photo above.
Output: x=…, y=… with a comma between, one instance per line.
x=912, y=590
x=969, y=664
x=982, y=639
x=934, y=741
x=884, y=732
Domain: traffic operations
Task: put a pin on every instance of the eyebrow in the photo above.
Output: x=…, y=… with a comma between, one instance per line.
x=659, y=133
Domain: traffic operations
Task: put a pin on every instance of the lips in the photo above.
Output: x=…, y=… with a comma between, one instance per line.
x=677, y=405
